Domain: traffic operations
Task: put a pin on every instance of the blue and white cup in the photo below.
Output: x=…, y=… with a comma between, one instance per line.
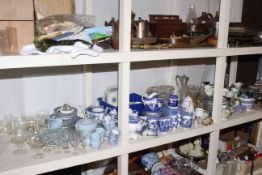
x=173, y=122
x=114, y=115
x=95, y=140
x=114, y=136
x=142, y=125
x=54, y=122
x=153, y=125
x=173, y=101
x=187, y=120
x=164, y=124
x=101, y=131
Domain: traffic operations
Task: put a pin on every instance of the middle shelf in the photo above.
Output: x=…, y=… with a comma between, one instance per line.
x=15, y=164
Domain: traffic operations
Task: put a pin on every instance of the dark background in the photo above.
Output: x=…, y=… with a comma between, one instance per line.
x=248, y=65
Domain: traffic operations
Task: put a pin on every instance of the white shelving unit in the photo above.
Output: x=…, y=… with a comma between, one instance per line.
x=16, y=165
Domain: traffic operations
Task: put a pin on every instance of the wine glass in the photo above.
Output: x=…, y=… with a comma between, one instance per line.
x=36, y=142
x=19, y=137
x=74, y=141
x=42, y=117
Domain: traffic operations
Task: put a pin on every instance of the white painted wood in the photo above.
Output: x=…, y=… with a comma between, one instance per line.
x=233, y=70
x=87, y=82
x=16, y=165
x=259, y=135
x=218, y=88
x=212, y=152
x=225, y=6
x=123, y=100
x=125, y=25
x=26, y=61
x=122, y=164
x=88, y=4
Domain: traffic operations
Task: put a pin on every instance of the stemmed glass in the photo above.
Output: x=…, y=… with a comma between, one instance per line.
x=36, y=142
x=42, y=117
x=19, y=137
x=74, y=141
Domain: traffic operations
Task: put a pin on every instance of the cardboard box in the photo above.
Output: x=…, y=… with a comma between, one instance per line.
x=44, y=8
x=14, y=35
x=16, y=10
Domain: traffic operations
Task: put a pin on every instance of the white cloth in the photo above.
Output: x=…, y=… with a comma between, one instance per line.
x=77, y=49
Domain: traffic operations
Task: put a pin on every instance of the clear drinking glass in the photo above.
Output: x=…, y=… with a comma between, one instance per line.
x=19, y=137
x=36, y=143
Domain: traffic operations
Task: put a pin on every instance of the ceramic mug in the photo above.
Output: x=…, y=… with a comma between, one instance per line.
x=164, y=124
x=114, y=136
x=153, y=125
x=142, y=125
x=187, y=120
x=173, y=100
x=173, y=122
x=95, y=138
x=201, y=113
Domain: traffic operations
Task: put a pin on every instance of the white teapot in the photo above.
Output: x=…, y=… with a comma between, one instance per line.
x=188, y=104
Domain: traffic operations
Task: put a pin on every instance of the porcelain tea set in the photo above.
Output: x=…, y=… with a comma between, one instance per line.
x=96, y=126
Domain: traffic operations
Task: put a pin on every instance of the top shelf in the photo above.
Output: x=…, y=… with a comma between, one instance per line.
x=30, y=61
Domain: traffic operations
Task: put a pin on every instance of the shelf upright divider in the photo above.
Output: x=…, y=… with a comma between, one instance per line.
x=220, y=71
x=87, y=69
x=124, y=80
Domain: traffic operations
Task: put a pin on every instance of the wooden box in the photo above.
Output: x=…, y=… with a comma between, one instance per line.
x=14, y=35
x=164, y=30
x=16, y=10
x=44, y=8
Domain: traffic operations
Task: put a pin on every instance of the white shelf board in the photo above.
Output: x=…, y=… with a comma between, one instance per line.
x=25, y=164
x=11, y=164
x=181, y=133
x=24, y=61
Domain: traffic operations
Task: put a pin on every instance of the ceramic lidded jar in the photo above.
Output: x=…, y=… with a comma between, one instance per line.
x=188, y=104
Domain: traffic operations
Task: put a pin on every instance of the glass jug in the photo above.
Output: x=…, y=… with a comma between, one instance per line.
x=182, y=85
